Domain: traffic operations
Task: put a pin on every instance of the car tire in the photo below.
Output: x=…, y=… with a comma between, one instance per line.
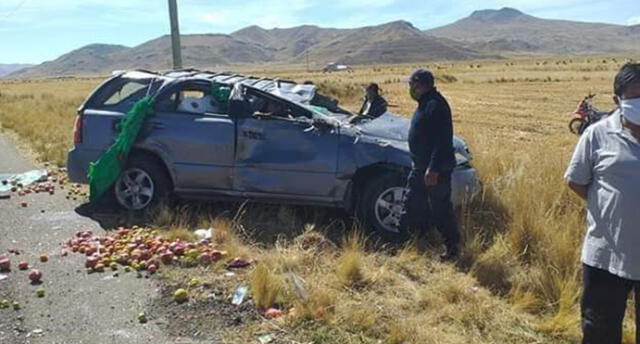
x=143, y=184
x=381, y=202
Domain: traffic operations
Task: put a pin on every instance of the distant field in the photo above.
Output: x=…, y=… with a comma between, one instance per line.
x=522, y=235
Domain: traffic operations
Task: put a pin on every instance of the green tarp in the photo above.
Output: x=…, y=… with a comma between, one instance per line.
x=104, y=172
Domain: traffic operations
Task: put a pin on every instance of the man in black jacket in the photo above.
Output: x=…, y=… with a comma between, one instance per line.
x=431, y=146
x=374, y=105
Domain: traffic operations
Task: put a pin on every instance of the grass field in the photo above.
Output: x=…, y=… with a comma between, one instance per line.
x=519, y=278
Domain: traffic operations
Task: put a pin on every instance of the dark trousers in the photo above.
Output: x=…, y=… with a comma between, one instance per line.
x=430, y=205
x=604, y=301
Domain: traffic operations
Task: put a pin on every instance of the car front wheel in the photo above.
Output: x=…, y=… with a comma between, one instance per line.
x=381, y=206
x=142, y=184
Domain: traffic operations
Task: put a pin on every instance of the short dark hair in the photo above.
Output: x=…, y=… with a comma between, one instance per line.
x=422, y=77
x=627, y=75
x=373, y=86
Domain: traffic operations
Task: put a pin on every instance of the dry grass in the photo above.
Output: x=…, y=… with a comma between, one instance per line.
x=266, y=286
x=522, y=235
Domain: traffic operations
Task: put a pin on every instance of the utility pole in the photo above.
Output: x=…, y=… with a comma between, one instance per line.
x=175, y=35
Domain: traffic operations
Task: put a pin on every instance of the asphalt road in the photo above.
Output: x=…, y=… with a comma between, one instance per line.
x=78, y=307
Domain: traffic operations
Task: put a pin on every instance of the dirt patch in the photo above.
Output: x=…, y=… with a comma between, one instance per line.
x=204, y=318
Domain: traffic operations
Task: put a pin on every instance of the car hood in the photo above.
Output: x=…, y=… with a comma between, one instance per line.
x=395, y=130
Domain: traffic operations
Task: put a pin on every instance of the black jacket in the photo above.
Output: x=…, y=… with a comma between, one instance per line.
x=431, y=134
x=378, y=107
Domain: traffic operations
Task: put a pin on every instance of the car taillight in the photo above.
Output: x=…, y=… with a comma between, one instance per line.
x=77, y=130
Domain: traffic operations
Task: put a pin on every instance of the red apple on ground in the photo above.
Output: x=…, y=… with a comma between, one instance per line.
x=5, y=263
x=35, y=276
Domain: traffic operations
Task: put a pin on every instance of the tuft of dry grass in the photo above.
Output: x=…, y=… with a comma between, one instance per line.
x=182, y=233
x=350, y=264
x=265, y=285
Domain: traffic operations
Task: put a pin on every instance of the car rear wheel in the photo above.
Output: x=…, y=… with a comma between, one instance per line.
x=381, y=206
x=142, y=184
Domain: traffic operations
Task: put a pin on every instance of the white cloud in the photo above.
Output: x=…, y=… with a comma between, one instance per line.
x=633, y=20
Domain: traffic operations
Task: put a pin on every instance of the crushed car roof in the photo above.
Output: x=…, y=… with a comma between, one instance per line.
x=301, y=93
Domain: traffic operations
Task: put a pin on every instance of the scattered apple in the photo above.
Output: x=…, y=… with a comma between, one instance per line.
x=23, y=265
x=5, y=263
x=194, y=282
x=40, y=292
x=5, y=304
x=91, y=262
x=35, y=276
x=319, y=313
x=180, y=295
x=44, y=258
x=142, y=317
x=273, y=313
x=167, y=257
x=204, y=258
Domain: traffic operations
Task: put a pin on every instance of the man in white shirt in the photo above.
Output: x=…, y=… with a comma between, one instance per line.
x=605, y=172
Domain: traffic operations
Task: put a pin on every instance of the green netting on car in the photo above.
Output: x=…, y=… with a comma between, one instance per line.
x=221, y=94
x=104, y=172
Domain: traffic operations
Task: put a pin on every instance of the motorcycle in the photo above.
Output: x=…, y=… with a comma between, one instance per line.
x=585, y=115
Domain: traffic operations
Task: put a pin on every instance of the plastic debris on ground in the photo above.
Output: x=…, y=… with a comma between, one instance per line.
x=8, y=181
x=204, y=234
x=239, y=295
x=38, y=181
x=265, y=339
x=298, y=285
x=3, y=277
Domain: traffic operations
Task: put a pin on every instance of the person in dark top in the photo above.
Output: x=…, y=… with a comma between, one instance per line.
x=374, y=105
x=428, y=199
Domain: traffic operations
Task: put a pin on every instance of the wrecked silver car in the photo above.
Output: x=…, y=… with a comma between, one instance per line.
x=272, y=141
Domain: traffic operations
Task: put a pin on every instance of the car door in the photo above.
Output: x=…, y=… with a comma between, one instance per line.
x=197, y=140
x=281, y=154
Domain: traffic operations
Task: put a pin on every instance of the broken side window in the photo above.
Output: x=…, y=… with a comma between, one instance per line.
x=191, y=99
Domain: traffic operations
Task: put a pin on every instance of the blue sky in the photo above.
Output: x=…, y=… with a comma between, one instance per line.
x=33, y=31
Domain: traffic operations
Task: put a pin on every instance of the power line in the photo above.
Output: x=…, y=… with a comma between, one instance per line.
x=11, y=12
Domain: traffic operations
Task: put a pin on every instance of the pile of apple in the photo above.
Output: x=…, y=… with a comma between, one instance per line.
x=141, y=249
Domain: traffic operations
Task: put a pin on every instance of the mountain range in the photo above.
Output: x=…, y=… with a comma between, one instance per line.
x=8, y=68
x=483, y=34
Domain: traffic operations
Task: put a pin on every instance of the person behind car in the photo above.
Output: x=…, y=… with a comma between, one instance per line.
x=431, y=146
x=605, y=172
x=201, y=105
x=272, y=108
x=374, y=104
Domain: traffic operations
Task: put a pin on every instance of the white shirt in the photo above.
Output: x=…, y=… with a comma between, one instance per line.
x=607, y=158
